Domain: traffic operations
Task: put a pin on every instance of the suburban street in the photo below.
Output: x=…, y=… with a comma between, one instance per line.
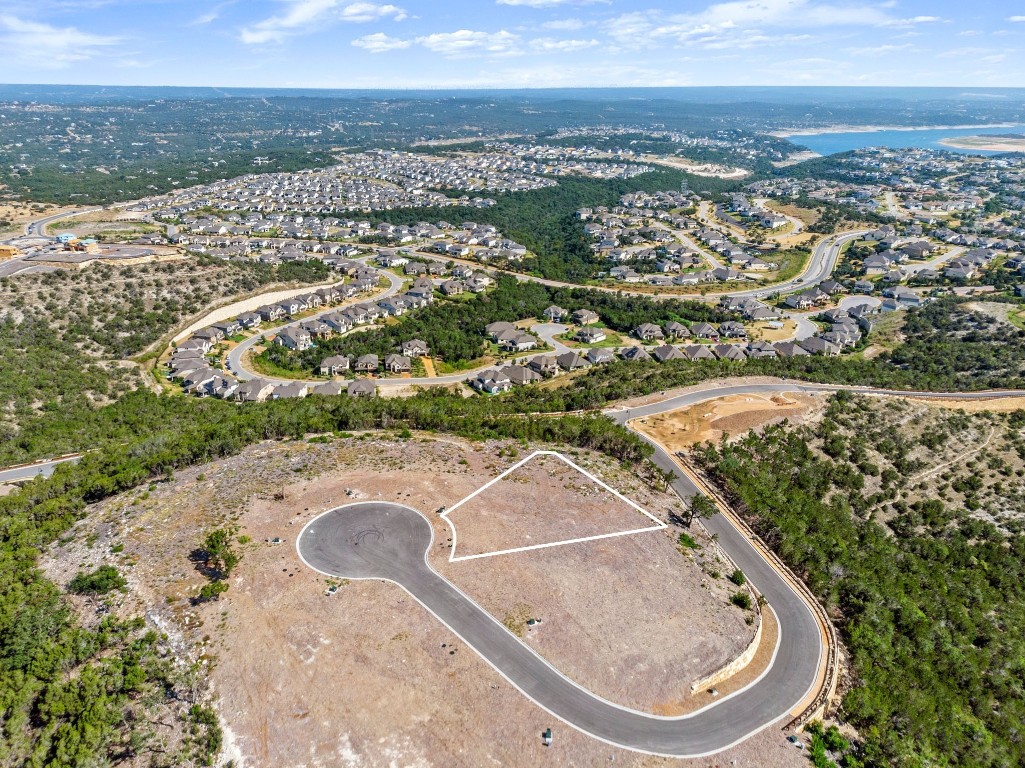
x=28, y=471
x=235, y=355
x=396, y=551
x=377, y=540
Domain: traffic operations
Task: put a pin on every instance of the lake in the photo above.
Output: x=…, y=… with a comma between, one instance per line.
x=926, y=138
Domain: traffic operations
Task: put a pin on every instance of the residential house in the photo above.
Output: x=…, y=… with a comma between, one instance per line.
x=520, y=374
x=294, y=389
x=598, y=356
x=334, y=365
x=249, y=320
x=361, y=388
x=397, y=363
x=367, y=363
x=554, y=313
x=210, y=333
x=634, y=353
x=253, y=391
x=698, y=352
x=790, y=349
x=496, y=329
x=729, y=352
x=704, y=331
x=414, y=348
x=328, y=388
x=732, y=330
x=571, y=361
x=546, y=365
x=648, y=332
x=667, y=352
x=293, y=338
x=817, y=346
x=517, y=341
x=337, y=322
x=585, y=317
x=759, y=349
x=491, y=381
x=591, y=335
x=676, y=330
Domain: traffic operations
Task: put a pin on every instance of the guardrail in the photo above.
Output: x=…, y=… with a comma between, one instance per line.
x=827, y=690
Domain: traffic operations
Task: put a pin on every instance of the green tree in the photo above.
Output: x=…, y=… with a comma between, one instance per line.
x=219, y=548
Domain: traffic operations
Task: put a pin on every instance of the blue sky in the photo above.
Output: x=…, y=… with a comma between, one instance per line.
x=513, y=43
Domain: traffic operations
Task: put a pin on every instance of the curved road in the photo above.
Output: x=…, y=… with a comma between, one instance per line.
x=380, y=540
x=235, y=355
x=823, y=260
x=388, y=541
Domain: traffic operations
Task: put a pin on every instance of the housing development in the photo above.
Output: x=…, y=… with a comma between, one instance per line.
x=455, y=429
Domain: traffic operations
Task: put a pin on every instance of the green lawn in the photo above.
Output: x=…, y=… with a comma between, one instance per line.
x=612, y=339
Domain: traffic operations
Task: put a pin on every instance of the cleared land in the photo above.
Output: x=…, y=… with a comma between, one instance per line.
x=727, y=416
x=541, y=502
x=367, y=677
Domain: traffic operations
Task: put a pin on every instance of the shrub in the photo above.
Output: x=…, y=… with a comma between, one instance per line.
x=99, y=582
x=741, y=600
x=687, y=541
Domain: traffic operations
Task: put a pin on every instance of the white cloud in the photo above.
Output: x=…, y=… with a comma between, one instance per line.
x=568, y=25
x=556, y=45
x=307, y=15
x=361, y=12
x=877, y=50
x=211, y=15
x=550, y=3
x=380, y=43
x=1017, y=19
x=740, y=22
x=464, y=43
x=48, y=46
x=911, y=22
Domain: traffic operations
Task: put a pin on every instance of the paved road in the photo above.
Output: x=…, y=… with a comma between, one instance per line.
x=44, y=468
x=823, y=260
x=548, y=332
x=377, y=540
x=235, y=356
x=820, y=266
x=388, y=541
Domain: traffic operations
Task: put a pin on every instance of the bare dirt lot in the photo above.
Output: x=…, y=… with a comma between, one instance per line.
x=366, y=677
x=541, y=502
x=732, y=416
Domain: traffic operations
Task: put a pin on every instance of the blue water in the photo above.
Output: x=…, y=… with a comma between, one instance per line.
x=831, y=143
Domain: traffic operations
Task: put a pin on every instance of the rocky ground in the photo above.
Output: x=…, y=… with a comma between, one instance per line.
x=366, y=676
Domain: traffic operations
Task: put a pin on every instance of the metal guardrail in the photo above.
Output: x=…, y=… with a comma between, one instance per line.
x=827, y=690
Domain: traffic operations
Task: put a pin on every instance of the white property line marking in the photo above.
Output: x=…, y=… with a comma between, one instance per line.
x=659, y=525
x=544, y=661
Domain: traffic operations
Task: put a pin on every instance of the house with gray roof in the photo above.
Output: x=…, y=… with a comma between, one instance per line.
x=520, y=375
x=648, y=332
x=667, y=352
x=361, y=388
x=634, y=353
x=492, y=381
x=334, y=365
x=397, y=364
x=294, y=338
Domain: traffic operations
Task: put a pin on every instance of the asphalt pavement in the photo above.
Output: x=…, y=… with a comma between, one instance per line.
x=378, y=540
